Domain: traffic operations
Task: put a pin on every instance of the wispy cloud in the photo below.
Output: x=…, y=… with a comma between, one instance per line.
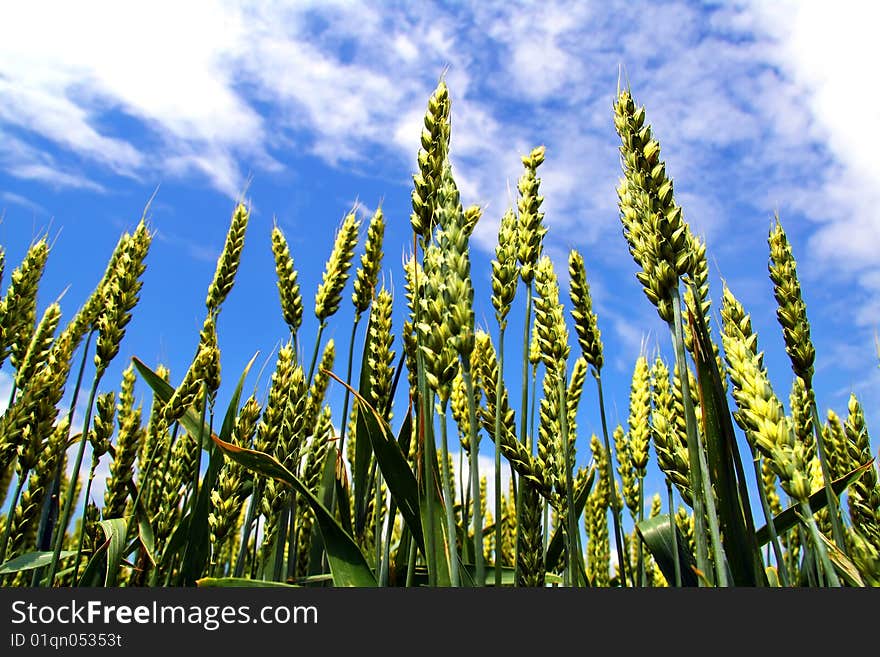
x=759, y=107
x=22, y=201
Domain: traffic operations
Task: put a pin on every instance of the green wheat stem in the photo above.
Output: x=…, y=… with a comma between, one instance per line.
x=572, y=529
x=321, y=328
x=480, y=566
x=428, y=462
x=771, y=526
x=524, y=421
x=454, y=575
x=348, y=380
x=701, y=491
x=71, y=489
x=640, y=554
x=377, y=519
x=82, y=536
x=615, y=503
x=674, y=531
x=200, y=438
x=499, y=387
x=246, y=527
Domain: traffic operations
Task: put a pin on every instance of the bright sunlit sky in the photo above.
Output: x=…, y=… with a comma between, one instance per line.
x=315, y=106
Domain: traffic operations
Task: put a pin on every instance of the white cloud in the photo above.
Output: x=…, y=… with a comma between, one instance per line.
x=827, y=54
x=22, y=201
x=758, y=106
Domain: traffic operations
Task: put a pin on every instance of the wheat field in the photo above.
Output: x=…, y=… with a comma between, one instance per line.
x=760, y=487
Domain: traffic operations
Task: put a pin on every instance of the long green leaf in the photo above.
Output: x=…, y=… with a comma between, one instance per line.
x=114, y=529
x=362, y=443
x=145, y=533
x=347, y=562
x=92, y=575
x=438, y=522
x=198, y=547
x=32, y=560
x=818, y=501
x=399, y=477
x=240, y=582
x=657, y=535
x=734, y=513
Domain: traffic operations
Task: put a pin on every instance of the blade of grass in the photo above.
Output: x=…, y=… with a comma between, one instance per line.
x=735, y=516
x=241, y=582
x=818, y=501
x=667, y=548
x=32, y=560
x=347, y=563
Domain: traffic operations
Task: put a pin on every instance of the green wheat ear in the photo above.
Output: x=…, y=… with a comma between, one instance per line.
x=658, y=237
x=230, y=257
x=329, y=294
x=431, y=160
x=585, y=320
x=791, y=309
x=288, y=286
x=371, y=262
x=530, y=227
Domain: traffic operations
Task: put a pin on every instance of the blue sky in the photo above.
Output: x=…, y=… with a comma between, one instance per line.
x=759, y=108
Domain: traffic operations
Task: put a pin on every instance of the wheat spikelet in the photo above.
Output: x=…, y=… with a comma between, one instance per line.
x=530, y=228
x=530, y=549
x=791, y=310
x=864, y=494
x=836, y=449
x=380, y=358
x=230, y=257
x=435, y=331
x=504, y=268
x=459, y=406
x=669, y=441
x=329, y=294
x=596, y=519
x=626, y=469
x=38, y=349
x=18, y=309
x=761, y=414
x=457, y=289
x=573, y=395
x=549, y=318
x=657, y=235
x=288, y=287
x=36, y=408
x=27, y=513
x=371, y=262
x=203, y=369
x=549, y=454
x=639, y=420
x=129, y=439
x=121, y=296
x=431, y=160
x=585, y=320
